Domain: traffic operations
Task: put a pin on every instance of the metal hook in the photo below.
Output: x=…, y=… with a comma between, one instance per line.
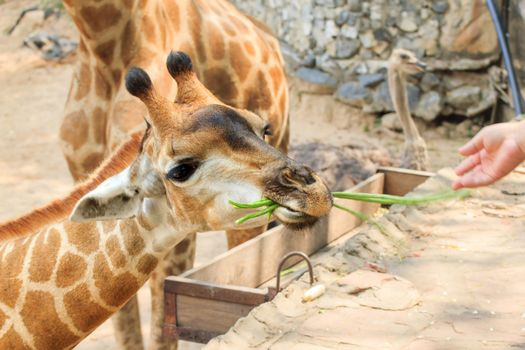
x=286, y=257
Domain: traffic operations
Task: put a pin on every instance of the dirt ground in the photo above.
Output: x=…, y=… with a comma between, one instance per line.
x=441, y=276
x=32, y=169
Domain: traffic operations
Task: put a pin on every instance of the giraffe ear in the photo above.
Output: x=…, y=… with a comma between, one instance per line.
x=115, y=198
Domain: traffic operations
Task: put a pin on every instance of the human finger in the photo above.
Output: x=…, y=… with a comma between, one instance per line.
x=468, y=164
x=472, y=146
x=476, y=178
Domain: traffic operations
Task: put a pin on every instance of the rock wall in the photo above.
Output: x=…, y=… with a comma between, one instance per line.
x=342, y=46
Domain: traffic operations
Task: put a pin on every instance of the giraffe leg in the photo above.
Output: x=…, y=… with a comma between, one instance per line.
x=126, y=325
x=176, y=262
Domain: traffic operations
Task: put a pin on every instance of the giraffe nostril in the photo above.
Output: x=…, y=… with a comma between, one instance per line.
x=305, y=174
x=301, y=175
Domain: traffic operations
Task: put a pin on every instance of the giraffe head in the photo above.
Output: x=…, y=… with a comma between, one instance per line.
x=406, y=62
x=199, y=153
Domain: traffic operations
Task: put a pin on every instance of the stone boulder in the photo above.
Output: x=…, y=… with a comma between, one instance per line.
x=468, y=30
x=316, y=81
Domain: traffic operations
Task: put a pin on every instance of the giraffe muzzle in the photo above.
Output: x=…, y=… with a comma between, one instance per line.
x=302, y=195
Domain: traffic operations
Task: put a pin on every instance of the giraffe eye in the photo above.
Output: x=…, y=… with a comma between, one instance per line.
x=183, y=171
x=267, y=131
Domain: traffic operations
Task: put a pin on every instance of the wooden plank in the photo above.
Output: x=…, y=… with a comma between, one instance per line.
x=189, y=334
x=254, y=262
x=206, y=290
x=401, y=181
x=170, y=316
x=209, y=315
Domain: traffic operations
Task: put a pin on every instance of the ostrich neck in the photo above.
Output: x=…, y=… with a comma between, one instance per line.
x=397, y=85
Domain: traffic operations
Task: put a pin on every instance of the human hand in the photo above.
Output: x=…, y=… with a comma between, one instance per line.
x=493, y=153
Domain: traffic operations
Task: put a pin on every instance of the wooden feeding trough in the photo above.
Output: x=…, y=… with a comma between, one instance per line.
x=206, y=301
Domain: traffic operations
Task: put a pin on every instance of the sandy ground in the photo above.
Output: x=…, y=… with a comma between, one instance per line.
x=32, y=169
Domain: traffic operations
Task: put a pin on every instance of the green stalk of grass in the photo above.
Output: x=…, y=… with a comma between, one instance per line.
x=269, y=210
x=364, y=197
x=390, y=199
x=252, y=205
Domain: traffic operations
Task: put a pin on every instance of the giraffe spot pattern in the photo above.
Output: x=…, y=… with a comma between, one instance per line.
x=219, y=82
x=74, y=129
x=109, y=225
x=92, y=161
x=126, y=44
x=133, y=242
x=238, y=60
x=148, y=28
x=173, y=14
x=277, y=77
x=3, y=318
x=249, y=48
x=82, y=235
x=13, y=262
x=117, y=77
x=259, y=97
x=11, y=340
x=182, y=247
x=48, y=331
x=264, y=49
x=181, y=267
x=161, y=16
x=215, y=41
x=282, y=102
x=228, y=28
x=115, y=254
x=105, y=51
x=194, y=22
x=44, y=257
x=127, y=115
x=100, y=18
x=71, y=268
x=147, y=264
x=74, y=169
x=83, y=81
x=99, y=125
x=83, y=310
x=115, y=290
x=102, y=87
x=239, y=24
x=145, y=57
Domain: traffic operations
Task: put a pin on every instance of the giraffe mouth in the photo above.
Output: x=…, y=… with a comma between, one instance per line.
x=293, y=218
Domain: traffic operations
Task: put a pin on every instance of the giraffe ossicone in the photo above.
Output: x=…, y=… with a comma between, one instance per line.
x=62, y=280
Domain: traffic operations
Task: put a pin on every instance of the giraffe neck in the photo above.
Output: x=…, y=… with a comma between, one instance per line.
x=65, y=281
x=397, y=86
x=116, y=32
x=105, y=27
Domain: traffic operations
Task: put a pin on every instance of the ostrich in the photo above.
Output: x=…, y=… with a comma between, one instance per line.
x=344, y=166
x=401, y=63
